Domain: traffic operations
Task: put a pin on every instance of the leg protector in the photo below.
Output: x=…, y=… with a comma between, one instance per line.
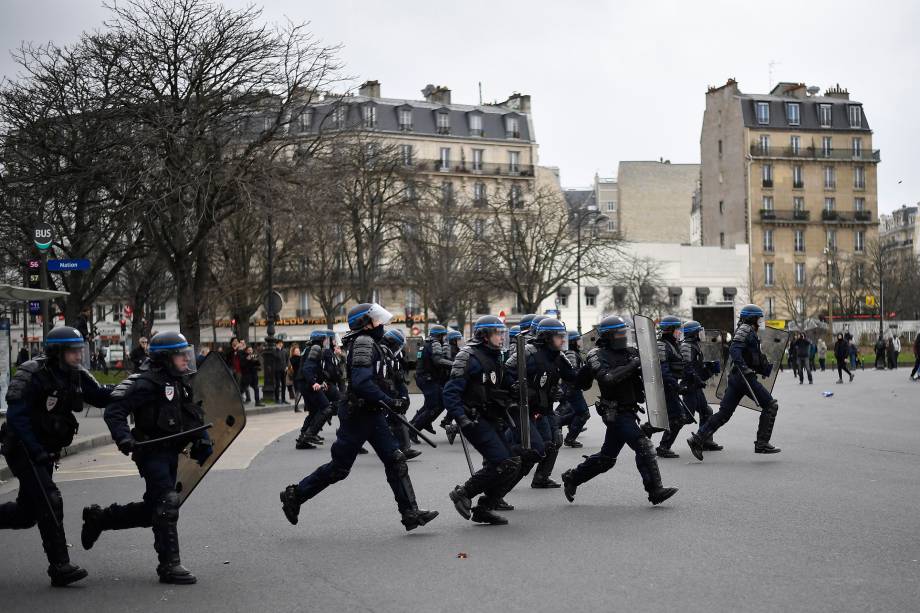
x=541, y=476
x=505, y=477
x=114, y=517
x=397, y=472
x=13, y=517
x=166, y=541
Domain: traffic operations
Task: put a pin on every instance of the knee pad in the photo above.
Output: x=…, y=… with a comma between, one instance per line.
x=646, y=448
x=604, y=461
x=530, y=456
x=398, y=463
x=773, y=406
x=509, y=466
x=167, y=508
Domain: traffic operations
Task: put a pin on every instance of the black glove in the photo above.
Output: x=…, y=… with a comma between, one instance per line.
x=464, y=422
x=400, y=405
x=766, y=369
x=201, y=451
x=126, y=445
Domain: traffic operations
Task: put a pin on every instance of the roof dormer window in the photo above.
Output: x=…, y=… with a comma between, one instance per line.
x=854, y=112
x=404, y=117
x=793, y=113
x=512, y=126
x=825, y=115
x=475, y=123
x=763, y=113
x=443, y=121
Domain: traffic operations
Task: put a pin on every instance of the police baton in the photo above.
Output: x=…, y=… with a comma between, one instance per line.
x=466, y=451
x=747, y=384
x=406, y=423
x=171, y=437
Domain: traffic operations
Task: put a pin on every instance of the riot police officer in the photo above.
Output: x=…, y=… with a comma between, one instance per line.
x=618, y=372
x=747, y=361
x=161, y=402
x=362, y=417
x=314, y=383
x=431, y=371
x=393, y=343
x=573, y=409
x=42, y=399
x=672, y=373
x=696, y=372
x=546, y=367
x=477, y=398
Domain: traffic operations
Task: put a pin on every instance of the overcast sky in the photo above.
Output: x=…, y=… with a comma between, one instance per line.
x=609, y=81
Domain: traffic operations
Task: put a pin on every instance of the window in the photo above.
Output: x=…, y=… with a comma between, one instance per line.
x=830, y=204
x=512, y=127
x=476, y=124
x=832, y=240
x=799, y=274
x=563, y=300
x=701, y=298
x=722, y=239
x=824, y=115
x=763, y=113
x=859, y=177
x=798, y=177
x=826, y=146
x=854, y=112
x=768, y=274
x=611, y=206
x=447, y=192
x=830, y=177
x=673, y=300
x=612, y=224
x=513, y=162
x=720, y=147
x=477, y=160
x=721, y=207
x=443, y=123
x=338, y=117
x=764, y=144
x=303, y=304
x=516, y=196
x=799, y=241
x=859, y=204
x=768, y=203
x=795, y=143
x=406, y=154
x=859, y=271
x=857, y=147
x=305, y=121
x=479, y=193
x=590, y=299
x=767, y=175
x=800, y=304
x=369, y=113
x=159, y=312
x=860, y=244
x=798, y=204
x=771, y=307
x=405, y=119
x=444, y=162
x=792, y=113
x=479, y=228
x=768, y=241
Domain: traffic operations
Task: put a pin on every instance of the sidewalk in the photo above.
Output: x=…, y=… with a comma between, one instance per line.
x=94, y=433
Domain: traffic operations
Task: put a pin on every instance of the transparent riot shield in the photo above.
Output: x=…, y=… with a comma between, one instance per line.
x=713, y=349
x=589, y=342
x=773, y=342
x=411, y=351
x=215, y=388
x=647, y=344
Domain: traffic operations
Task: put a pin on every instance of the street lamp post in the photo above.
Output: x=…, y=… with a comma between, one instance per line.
x=830, y=294
x=270, y=328
x=590, y=209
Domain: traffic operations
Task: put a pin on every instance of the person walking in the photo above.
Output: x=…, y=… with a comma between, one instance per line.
x=915, y=372
x=250, y=368
x=880, y=353
x=841, y=355
x=889, y=352
x=895, y=350
x=293, y=367
x=822, y=353
x=801, y=349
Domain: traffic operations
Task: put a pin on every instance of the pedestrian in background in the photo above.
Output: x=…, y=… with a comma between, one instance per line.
x=250, y=366
x=293, y=368
x=842, y=355
x=880, y=353
x=279, y=376
x=853, y=352
x=801, y=348
x=895, y=350
x=822, y=353
x=889, y=352
x=915, y=372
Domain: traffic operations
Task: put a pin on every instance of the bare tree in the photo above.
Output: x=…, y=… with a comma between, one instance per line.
x=638, y=287
x=804, y=296
x=213, y=97
x=529, y=248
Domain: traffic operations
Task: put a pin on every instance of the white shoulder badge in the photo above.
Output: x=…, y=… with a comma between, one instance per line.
x=493, y=376
x=170, y=392
x=51, y=402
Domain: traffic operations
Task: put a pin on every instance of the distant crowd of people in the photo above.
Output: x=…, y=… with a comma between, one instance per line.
x=803, y=353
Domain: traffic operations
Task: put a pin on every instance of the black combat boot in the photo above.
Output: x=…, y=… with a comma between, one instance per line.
x=114, y=517
x=502, y=505
x=695, y=442
x=484, y=515
x=61, y=571
x=568, y=485
x=290, y=503
x=410, y=453
x=711, y=445
x=541, y=476
x=461, y=501
x=413, y=518
x=665, y=452
x=571, y=441
x=303, y=442
x=166, y=543
x=647, y=464
x=765, y=429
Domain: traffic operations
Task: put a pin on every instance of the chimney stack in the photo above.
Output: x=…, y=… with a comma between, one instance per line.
x=436, y=94
x=837, y=92
x=370, y=89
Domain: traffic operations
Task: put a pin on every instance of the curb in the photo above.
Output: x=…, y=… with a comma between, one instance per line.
x=101, y=440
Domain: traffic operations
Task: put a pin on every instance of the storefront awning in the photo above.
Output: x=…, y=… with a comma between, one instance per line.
x=13, y=293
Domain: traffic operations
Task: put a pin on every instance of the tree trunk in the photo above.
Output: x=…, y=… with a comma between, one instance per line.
x=186, y=301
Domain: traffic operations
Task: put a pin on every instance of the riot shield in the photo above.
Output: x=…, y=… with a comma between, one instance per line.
x=411, y=349
x=712, y=348
x=589, y=342
x=773, y=342
x=647, y=344
x=520, y=342
x=215, y=388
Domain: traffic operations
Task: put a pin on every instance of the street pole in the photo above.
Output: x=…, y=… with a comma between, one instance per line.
x=270, y=329
x=578, y=276
x=46, y=304
x=881, y=292
x=830, y=295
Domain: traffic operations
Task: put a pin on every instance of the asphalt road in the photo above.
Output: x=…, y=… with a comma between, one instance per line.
x=830, y=524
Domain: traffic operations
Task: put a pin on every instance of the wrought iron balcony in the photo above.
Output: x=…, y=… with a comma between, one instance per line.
x=816, y=153
x=468, y=167
x=788, y=216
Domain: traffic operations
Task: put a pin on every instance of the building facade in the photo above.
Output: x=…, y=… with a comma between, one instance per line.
x=655, y=200
x=900, y=232
x=792, y=174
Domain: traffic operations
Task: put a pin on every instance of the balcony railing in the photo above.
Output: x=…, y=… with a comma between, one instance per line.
x=847, y=216
x=467, y=167
x=795, y=215
x=816, y=153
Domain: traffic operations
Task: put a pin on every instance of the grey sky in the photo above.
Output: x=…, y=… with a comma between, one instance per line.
x=610, y=81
